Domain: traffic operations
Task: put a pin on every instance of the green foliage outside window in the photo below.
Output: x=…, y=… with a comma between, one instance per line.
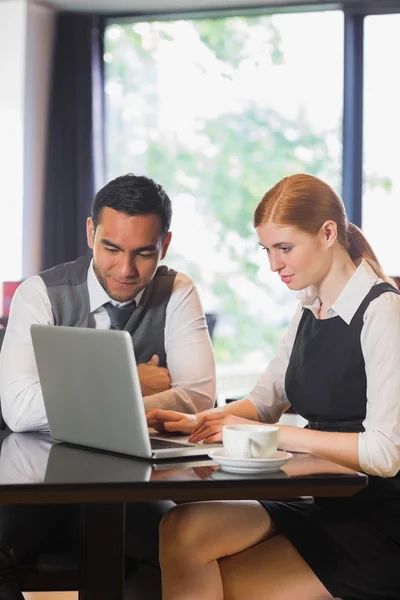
x=225, y=161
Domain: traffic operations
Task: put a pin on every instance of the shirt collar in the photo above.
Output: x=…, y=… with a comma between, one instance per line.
x=98, y=295
x=358, y=286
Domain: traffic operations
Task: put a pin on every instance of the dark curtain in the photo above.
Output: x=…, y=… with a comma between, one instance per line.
x=75, y=143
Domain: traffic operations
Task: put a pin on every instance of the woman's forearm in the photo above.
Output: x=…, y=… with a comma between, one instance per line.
x=341, y=448
x=241, y=408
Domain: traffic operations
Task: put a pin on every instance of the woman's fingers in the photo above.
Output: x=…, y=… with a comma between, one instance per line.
x=206, y=422
x=204, y=435
x=214, y=438
x=213, y=416
x=203, y=422
x=199, y=432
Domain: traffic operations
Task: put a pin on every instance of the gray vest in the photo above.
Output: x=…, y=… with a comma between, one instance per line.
x=68, y=292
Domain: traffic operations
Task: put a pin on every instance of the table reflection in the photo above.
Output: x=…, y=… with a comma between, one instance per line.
x=24, y=457
x=36, y=458
x=28, y=458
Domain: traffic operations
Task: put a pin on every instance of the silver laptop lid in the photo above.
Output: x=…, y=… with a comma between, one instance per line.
x=91, y=388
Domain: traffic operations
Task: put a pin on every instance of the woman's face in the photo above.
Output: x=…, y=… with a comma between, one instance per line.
x=301, y=259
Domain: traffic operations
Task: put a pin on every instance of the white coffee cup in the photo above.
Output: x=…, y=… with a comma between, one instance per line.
x=250, y=441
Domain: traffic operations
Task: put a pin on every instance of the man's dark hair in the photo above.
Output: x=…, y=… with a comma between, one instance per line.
x=134, y=195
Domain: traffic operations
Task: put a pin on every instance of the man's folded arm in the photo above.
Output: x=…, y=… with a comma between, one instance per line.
x=190, y=356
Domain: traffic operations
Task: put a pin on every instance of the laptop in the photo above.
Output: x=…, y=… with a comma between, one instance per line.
x=92, y=394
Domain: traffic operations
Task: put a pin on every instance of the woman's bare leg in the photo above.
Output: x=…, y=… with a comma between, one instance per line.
x=193, y=536
x=271, y=570
x=230, y=551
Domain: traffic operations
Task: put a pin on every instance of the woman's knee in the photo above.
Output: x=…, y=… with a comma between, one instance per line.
x=182, y=529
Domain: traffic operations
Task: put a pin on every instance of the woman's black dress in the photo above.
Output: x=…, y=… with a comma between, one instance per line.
x=351, y=544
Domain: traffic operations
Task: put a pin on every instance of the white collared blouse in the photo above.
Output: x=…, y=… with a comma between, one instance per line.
x=379, y=444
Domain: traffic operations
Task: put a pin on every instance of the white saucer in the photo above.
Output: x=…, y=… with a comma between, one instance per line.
x=250, y=465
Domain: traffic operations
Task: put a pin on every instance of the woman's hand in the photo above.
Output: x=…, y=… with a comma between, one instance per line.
x=171, y=420
x=209, y=428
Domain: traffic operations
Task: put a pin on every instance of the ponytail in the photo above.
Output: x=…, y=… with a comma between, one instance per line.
x=359, y=248
x=306, y=202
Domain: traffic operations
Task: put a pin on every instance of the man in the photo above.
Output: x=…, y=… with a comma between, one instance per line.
x=129, y=235
x=122, y=286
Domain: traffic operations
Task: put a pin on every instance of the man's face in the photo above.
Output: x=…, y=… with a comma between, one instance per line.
x=126, y=251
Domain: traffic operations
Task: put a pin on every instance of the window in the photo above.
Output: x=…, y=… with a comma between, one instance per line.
x=381, y=192
x=217, y=110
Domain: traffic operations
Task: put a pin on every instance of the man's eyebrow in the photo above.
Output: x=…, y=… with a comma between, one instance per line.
x=148, y=248
x=106, y=242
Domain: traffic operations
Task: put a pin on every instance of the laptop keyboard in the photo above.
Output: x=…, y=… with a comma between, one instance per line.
x=157, y=444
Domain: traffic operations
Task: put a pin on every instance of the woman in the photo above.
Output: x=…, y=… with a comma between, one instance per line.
x=338, y=365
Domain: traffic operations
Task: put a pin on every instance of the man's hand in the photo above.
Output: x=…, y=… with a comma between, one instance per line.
x=153, y=378
x=170, y=420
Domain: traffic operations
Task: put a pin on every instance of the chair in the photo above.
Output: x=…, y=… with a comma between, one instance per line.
x=211, y=320
x=2, y=424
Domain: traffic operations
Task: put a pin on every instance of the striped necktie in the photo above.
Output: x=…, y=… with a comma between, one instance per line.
x=119, y=315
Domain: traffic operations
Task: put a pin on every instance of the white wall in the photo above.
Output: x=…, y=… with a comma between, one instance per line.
x=26, y=35
x=12, y=63
x=38, y=66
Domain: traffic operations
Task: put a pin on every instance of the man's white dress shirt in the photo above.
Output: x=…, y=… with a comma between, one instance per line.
x=379, y=444
x=190, y=358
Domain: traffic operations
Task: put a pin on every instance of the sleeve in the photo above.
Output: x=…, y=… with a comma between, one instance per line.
x=379, y=444
x=21, y=395
x=269, y=395
x=190, y=356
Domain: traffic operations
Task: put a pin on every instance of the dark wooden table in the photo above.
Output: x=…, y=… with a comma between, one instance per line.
x=35, y=470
